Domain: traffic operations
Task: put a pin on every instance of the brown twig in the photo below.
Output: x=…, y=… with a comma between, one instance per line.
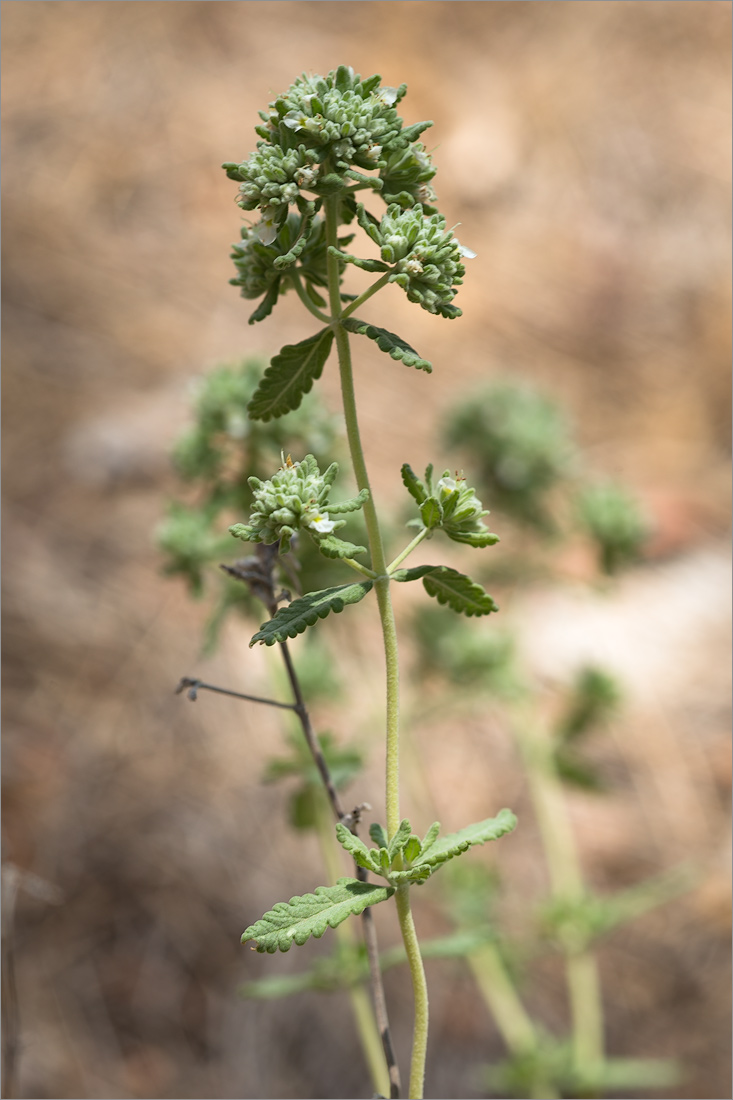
x=257, y=573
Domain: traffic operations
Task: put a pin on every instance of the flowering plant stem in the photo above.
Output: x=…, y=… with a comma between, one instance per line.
x=389, y=634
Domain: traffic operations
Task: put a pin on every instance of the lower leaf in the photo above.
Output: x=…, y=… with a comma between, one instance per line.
x=295, y=921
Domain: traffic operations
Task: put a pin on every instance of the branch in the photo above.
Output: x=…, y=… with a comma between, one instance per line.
x=257, y=573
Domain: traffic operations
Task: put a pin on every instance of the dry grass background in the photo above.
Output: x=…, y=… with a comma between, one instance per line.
x=585, y=149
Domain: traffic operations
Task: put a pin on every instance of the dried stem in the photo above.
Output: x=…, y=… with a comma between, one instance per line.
x=257, y=573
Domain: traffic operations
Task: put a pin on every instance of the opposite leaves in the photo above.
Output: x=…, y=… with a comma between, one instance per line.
x=292, y=620
x=406, y=858
x=290, y=376
x=297, y=920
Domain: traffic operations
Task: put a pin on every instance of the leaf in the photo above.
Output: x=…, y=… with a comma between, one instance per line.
x=413, y=484
x=390, y=343
x=415, y=573
x=292, y=620
x=412, y=849
x=477, y=539
x=351, y=505
x=295, y=921
x=446, y=847
x=458, y=591
x=266, y=306
x=399, y=840
x=430, y=837
x=334, y=547
x=290, y=376
x=357, y=849
x=378, y=835
x=431, y=512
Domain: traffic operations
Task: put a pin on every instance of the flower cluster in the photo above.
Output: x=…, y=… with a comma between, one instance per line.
x=449, y=505
x=425, y=256
x=406, y=177
x=261, y=257
x=319, y=134
x=462, y=511
x=340, y=118
x=293, y=499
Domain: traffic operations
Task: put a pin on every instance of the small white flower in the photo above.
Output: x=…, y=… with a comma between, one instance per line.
x=387, y=95
x=307, y=176
x=447, y=485
x=467, y=253
x=413, y=266
x=321, y=523
x=266, y=229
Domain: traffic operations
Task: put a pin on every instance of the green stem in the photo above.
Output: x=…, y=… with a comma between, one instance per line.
x=420, y=989
x=389, y=633
x=408, y=549
x=566, y=877
x=360, y=1005
x=301, y=292
x=360, y=568
x=353, y=306
x=512, y=1019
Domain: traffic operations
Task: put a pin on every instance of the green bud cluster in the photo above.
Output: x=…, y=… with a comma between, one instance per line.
x=293, y=499
x=449, y=505
x=425, y=258
x=406, y=177
x=320, y=137
x=340, y=119
x=261, y=258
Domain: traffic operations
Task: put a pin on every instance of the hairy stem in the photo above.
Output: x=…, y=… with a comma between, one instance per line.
x=389, y=633
x=353, y=306
x=370, y=1032
x=303, y=295
x=408, y=550
x=420, y=990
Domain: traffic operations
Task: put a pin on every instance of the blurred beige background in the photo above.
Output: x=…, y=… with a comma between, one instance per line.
x=585, y=150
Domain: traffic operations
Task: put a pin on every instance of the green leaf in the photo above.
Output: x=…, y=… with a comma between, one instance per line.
x=295, y=921
x=399, y=840
x=351, y=505
x=419, y=873
x=290, y=376
x=292, y=620
x=356, y=848
x=431, y=513
x=358, y=261
x=268, y=303
x=390, y=343
x=334, y=547
x=458, y=591
x=378, y=835
x=454, y=844
x=477, y=539
x=430, y=837
x=413, y=484
x=415, y=573
x=412, y=849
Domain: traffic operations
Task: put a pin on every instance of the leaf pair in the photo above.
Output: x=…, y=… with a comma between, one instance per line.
x=293, y=371
x=406, y=858
x=308, y=915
